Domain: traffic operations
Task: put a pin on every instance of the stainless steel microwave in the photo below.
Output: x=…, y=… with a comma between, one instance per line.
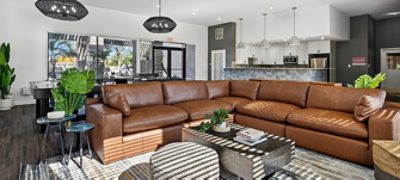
x=290, y=59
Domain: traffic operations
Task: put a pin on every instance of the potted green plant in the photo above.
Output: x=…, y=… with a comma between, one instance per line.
x=7, y=77
x=217, y=122
x=70, y=94
x=366, y=81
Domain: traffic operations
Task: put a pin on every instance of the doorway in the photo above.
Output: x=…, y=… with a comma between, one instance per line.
x=169, y=61
x=390, y=65
x=218, y=63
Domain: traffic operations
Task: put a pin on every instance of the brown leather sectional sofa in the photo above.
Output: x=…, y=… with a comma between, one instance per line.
x=138, y=118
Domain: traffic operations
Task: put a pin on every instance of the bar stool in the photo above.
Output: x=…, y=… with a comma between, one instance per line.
x=82, y=129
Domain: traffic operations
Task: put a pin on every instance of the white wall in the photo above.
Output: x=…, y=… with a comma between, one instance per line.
x=26, y=29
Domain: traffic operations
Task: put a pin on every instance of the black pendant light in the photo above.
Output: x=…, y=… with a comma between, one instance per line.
x=159, y=24
x=67, y=10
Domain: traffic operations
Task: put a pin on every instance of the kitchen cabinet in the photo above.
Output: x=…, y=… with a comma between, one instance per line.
x=319, y=47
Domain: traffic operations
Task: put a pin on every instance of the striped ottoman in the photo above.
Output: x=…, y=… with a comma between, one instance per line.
x=184, y=160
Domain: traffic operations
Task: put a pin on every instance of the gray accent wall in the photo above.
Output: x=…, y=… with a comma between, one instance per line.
x=387, y=35
x=361, y=44
x=228, y=43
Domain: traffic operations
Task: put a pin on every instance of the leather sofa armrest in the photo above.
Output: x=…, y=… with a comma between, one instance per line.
x=384, y=125
x=107, y=121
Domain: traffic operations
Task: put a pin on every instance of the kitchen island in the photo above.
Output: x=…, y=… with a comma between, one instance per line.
x=280, y=73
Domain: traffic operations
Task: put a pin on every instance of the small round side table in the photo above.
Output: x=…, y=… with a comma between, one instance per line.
x=82, y=129
x=60, y=122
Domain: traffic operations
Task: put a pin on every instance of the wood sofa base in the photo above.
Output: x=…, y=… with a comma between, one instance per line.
x=118, y=148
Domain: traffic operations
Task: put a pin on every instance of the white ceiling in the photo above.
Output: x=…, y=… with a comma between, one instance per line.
x=231, y=10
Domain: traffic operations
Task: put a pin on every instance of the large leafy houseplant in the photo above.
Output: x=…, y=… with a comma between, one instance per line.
x=216, y=119
x=366, y=81
x=70, y=94
x=7, y=73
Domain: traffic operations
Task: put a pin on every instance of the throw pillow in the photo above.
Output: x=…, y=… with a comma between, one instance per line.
x=367, y=106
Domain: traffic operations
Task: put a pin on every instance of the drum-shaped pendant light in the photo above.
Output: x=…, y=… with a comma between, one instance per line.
x=159, y=24
x=67, y=10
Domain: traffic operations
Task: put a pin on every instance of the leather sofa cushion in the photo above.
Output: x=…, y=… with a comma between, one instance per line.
x=367, y=106
x=268, y=110
x=217, y=89
x=138, y=95
x=153, y=117
x=119, y=102
x=291, y=92
x=233, y=101
x=338, y=98
x=245, y=89
x=332, y=122
x=182, y=91
x=201, y=108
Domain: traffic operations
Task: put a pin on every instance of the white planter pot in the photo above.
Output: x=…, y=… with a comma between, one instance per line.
x=6, y=104
x=222, y=125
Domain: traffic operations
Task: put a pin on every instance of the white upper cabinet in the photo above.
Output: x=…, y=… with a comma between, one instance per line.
x=319, y=47
x=312, y=22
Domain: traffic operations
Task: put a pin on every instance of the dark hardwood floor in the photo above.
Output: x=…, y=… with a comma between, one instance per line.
x=20, y=140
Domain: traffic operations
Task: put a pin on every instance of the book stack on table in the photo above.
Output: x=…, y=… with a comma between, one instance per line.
x=250, y=136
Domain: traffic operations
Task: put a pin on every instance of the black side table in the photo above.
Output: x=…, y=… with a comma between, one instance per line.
x=82, y=129
x=60, y=122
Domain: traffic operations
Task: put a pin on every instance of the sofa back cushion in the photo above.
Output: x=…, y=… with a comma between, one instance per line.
x=338, y=98
x=182, y=91
x=245, y=88
x=137, y=95
x=217, y=89
x=290, y=92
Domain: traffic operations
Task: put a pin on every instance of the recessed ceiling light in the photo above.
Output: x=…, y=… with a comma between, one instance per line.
x=322, y=38
x=194, y=13
x=285, y=40
x=271, y=7
x=219, y=19
x=393, y=13
x=158, y=6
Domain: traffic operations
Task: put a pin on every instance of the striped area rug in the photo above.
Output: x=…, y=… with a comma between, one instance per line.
x=306, y=165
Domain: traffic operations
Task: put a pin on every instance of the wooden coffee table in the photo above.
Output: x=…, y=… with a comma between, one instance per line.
x=386, y=155
x=247, y=162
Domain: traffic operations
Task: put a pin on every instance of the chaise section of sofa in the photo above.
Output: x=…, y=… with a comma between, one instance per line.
x=149, y=124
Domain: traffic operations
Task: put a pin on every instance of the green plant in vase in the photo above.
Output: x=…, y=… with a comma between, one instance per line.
x=70, y=94
x=366, y=81
x=217, y=119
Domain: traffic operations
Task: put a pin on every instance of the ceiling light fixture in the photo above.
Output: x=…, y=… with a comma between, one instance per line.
x=393, y=13
x=265, y=43
x=294, y=40
x=67, y=10
x=322, y=38
x=219, y=19
x=159, y=24
x=241, y=44
x=271, y=7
